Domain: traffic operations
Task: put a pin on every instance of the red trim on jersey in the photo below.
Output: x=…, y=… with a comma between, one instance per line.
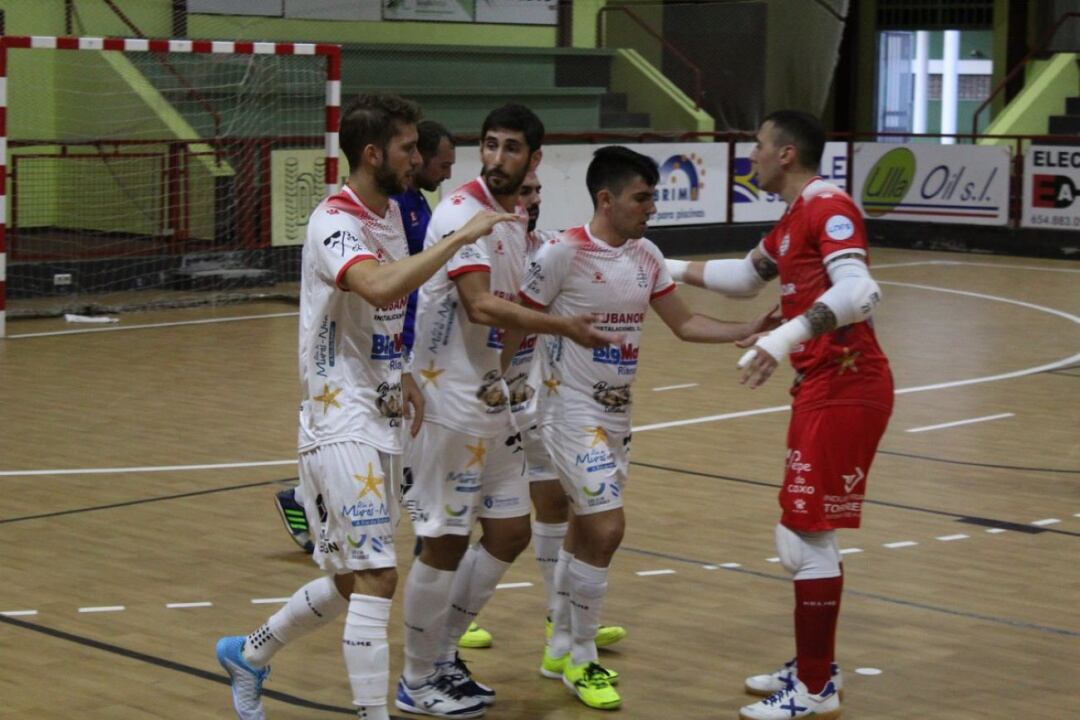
x=458, y=272
x=530, y=302
x=657, y=295
x=476, y=189
x=348, y=264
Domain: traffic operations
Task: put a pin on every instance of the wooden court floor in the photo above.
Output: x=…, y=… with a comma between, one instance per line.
x=164, y=446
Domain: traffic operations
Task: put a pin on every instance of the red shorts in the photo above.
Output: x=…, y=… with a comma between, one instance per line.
x=830, y=450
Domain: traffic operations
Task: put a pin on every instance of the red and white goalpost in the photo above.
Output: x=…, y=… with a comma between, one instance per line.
x=124, y=155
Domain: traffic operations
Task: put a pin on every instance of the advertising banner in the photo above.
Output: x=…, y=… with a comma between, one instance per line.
x=693, y=187
x=429, y=10
x=520, y=12
x=1052, y=187
x=964, y=184
x=752, y=204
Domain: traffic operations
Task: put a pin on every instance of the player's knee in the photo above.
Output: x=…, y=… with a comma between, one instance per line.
x=377, y=583
x=444, y=552
x=549, y=499
x=808, y=555
x=506, y=538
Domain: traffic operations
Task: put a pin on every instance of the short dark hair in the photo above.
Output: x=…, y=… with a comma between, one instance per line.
x=431, y=134
x=613, y=167
x=517, y=118
x=373, y=120
x=804, y=131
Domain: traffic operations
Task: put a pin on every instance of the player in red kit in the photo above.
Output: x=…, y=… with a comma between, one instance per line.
x=843, y=393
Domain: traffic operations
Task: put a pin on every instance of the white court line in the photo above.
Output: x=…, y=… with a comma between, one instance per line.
x=950, y=538
x=18, y=613
x=675, y=387
x=996, y=531
x=269, y=601
x=710, y=567
x=958, y=423
x=115, y=328
x=102, y=609
x=900, y=544
x=948, y=263
x=730, y=566
x=1047, y=521
x=1064, y=362
x=178, y=606
x=646, y=573
x=850, y=551
x=511, y=586
x=772, y=559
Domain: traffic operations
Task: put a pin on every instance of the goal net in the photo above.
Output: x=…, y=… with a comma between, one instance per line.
x=159, y=173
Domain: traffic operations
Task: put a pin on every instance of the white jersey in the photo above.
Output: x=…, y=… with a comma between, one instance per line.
x=456, y=361
x=576, y=273
x=350, y=351
x=523, y=376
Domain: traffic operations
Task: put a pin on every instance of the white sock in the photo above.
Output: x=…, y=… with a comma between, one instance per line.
x=561, y=639
x=367, y=652
x=588, y=584
x=298, y=495
x=427, y=600
x=312, y=606
x=547, y=539
x=474, y=584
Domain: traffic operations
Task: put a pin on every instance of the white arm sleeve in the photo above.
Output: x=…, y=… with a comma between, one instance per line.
x=854, y=294
x=734, y=278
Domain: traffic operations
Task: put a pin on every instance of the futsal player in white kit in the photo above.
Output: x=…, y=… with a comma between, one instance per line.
x=466, y=462
x=609, y=268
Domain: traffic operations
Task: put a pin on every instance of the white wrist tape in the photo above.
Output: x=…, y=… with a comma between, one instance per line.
x=854, y=294
x=676, y=268
x=780, y=342
x=735, y=278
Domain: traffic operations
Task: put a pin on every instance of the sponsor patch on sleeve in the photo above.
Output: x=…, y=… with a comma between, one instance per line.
x=839, y=227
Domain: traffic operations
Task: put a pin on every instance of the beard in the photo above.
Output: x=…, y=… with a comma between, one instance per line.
x=388, y=181
x=534, y=217
x=507, y=184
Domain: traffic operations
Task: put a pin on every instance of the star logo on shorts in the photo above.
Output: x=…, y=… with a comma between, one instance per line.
x=371, y=483
x=599, y=436
x=431, y=374
x=847, y=361
x=478, y=452
x=552, y=384
x=328, y=398
x=850, y=481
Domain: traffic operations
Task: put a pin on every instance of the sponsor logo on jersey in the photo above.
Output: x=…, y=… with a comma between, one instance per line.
x=494, y=339
x=613, y=398
x=624, y=357
x=795, y=463
x=785, y=244
x=850, y=481
x=325, y=347
x=595, y=460
x=341, y=241
x=787, y=289
x=361, y=514
x=455, y=513
x=642, y=277
x=356, y=544
x=490, y=501
x=386, y=347
x=594, y=493
x=839, y=227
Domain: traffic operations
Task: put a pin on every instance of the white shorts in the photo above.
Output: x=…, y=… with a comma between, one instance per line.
x=349, y=499
x=451, y=478
x=593, y=465
x=540, y=467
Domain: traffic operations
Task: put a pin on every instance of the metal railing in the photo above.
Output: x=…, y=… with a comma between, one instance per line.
x=1039, y=48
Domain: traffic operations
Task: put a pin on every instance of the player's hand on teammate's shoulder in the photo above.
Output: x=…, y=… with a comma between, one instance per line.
x=483, y=222
x=580, y=329
x=766, y=322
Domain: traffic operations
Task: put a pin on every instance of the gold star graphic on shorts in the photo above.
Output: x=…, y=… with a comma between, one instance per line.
x=328, y=398
x=431, y=374
x=847, y=361
x=478, y=451
x=371, y=483
x=599, y=436
x=552, y=384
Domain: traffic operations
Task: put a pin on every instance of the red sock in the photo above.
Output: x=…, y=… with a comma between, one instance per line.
x=817, y=607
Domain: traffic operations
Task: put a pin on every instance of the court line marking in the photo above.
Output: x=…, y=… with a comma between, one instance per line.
x=950, y=538
x=1072, y=359
x=103, y=609
x=1046, y=521
x=178, y=606
x=513, y=585
x=958, y=423
x=648, y=573
x=269, y=601
x=900, y=544
x=996, y=531
x=18, y=613
x=145, y=326
x=674, y=387
x=850, y=551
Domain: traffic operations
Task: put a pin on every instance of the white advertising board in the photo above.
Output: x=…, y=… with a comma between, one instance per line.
x=752, y=204
x=962, y=184
x=1052, y=187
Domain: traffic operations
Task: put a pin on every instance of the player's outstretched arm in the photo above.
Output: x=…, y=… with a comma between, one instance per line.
x=852, y=298
x=484, y=308
x=381, y=285
x=695, y=327
x=740, y=278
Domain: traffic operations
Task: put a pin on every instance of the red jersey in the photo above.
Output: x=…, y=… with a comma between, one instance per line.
x=844, y=366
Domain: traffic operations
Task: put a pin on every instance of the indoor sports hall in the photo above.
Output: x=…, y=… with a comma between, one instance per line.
x=162, y=156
